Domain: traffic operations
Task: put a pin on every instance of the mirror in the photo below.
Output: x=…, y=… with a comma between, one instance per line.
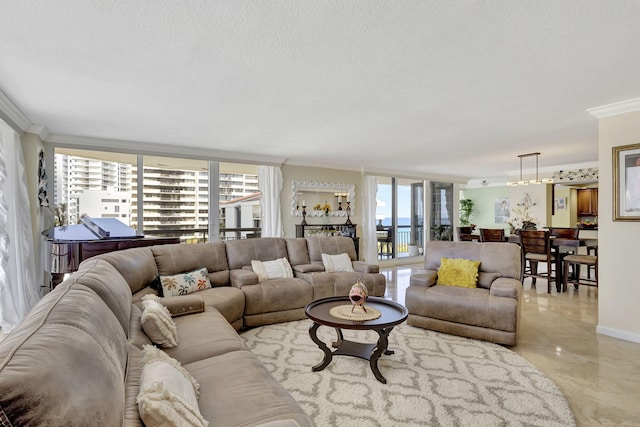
x=318, y=195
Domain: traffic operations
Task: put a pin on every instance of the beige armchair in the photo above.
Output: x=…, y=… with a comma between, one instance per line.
x=489, y=312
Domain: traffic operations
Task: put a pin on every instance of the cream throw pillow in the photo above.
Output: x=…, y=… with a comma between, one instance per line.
x=276, y=269
x=157, y=322
x=168, y=393
x=337, y=263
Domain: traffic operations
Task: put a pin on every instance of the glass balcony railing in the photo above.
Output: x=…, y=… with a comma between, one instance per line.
x=201, y=235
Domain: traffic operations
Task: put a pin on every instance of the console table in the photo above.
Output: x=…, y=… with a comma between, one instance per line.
x=345, y=230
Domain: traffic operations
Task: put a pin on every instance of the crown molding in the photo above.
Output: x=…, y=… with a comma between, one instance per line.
x=39, y=130
x=13, y=115
x=615, y=108
x=153, y=149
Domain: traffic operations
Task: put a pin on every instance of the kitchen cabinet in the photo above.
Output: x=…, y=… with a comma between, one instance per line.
x=588, y=202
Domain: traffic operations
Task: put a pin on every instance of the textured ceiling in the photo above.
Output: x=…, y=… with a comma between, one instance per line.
x=430, y=87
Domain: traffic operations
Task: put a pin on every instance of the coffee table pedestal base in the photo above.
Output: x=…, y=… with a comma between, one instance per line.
x=370, y=352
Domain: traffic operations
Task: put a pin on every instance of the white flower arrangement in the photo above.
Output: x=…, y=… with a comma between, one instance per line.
x=519, y=217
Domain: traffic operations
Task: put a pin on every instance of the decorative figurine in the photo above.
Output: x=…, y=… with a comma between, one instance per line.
x=358, y=295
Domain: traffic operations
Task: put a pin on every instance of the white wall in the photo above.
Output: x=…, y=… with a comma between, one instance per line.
x=618, y=242
x=485, y=199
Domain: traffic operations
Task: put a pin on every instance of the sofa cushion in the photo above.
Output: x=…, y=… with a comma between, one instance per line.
x=297, y=251
x=168, y=393
x=241, y=252
x=494, y=256
x=458, y=272
x=174, y=259
x=330, y=245
x=136, y=335
x=184, y=283
x=277, y=295
x=227, y=300
x=137, y=266
x=237, y=390
x=157, y=322
x=276, y=269
x=132, y=387
x=104, y=279
x=337, y=263
x=203, y=335
x=60, y=364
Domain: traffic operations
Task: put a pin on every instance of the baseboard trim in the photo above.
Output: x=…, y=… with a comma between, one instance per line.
x=617, y=333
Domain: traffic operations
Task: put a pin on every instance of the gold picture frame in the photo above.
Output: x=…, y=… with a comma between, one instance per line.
x=626, y=182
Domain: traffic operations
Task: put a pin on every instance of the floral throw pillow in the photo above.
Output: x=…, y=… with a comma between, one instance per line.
x=184, y=283
x=458, y=272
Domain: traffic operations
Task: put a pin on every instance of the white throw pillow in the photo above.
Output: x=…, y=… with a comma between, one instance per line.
x=276, y=269
x=168, y=393
x=337, y=263
x=157, y=322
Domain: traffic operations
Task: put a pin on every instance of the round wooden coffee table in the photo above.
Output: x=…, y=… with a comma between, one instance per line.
x=392, y=314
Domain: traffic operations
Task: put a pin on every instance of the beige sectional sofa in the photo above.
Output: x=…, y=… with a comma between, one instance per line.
x=489, y=312
x=76, y=359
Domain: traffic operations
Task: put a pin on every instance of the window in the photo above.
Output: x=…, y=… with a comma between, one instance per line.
x=400, y=217
x=176, y=193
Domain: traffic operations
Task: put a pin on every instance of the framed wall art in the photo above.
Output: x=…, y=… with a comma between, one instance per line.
x=626, y=183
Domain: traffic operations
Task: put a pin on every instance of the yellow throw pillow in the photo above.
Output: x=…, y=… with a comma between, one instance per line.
x=458, y=272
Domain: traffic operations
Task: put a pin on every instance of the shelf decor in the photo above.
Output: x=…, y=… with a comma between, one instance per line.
x=626, y=183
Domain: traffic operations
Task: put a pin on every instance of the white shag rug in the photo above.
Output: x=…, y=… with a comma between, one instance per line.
x=433, y=379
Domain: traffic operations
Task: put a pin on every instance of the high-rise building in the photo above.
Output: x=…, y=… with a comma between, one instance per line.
x=176, y=202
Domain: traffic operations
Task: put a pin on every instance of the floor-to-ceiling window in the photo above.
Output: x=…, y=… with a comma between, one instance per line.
x=441, y=211
x=177, y=197
x=400, y=217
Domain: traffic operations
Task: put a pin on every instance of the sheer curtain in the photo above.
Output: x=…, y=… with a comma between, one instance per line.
x=19, y=289
x=270, y=184
x=370, y=237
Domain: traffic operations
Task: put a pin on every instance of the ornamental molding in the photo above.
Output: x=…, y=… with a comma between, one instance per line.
x=616, y=108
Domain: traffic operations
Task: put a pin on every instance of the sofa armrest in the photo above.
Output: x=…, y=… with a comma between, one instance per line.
x=242, y=277
x=308, y=268
x=424, y=278
x=183, y=304
x=363, y=267
x=506, y=287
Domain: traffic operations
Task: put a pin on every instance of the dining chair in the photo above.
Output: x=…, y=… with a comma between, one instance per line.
x=570, y=233
x=536, y=249
x=464, y=234
x=492, y=235
x=590, y=261
x=564, y=232
x=385, y=242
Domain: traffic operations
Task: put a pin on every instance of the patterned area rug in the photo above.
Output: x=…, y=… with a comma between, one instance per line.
x=433, y=379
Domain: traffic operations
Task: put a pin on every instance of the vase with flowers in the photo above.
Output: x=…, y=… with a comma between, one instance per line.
x=521, y=219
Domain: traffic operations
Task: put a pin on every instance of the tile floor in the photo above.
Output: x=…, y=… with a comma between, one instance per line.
x=599, y=375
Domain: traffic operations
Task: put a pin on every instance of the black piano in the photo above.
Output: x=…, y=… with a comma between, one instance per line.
x=69, y=245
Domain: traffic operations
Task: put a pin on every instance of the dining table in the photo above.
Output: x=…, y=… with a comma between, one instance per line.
x=557, y=246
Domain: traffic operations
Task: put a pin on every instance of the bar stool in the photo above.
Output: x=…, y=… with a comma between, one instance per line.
x=577, y=261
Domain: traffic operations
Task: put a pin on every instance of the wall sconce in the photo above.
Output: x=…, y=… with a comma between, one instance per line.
x=533, y=181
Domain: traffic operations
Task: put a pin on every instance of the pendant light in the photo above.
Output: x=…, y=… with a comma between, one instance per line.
x=533, y=181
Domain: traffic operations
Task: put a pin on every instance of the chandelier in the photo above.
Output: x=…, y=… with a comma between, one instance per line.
x=589, y=174
x=533, y=181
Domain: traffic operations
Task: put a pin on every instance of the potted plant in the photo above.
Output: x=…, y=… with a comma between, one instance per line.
x=467, y=208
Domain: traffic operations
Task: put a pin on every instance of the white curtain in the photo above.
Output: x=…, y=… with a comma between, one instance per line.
x=270, y=184
x=370, y=237
x=19, y=289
